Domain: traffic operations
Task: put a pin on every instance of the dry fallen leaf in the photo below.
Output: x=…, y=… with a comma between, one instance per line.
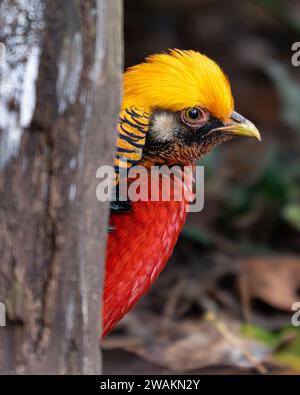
x=189, y=345
x=274, y=280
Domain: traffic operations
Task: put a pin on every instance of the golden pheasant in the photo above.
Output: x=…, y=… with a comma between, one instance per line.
x=177, y=106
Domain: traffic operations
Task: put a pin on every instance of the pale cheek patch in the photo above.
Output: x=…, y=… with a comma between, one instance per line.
x=163, y=127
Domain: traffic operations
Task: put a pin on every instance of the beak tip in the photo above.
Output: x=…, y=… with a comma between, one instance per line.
x=246, y=129
x=258, y=136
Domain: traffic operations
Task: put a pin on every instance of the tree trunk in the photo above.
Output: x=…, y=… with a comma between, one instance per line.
x=59, y=104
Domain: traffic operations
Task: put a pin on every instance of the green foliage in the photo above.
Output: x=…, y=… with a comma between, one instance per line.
x=285, y=343
x=291, y=213
x=197, y=236
x=288, y=90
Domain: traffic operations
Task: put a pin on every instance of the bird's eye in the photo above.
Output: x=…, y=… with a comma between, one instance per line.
x=193, y=114
x=195, y=117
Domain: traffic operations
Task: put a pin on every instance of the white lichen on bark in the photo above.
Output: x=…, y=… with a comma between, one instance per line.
x=69, y=71
x=27, y=101
x=101, y=41
x=21, y=24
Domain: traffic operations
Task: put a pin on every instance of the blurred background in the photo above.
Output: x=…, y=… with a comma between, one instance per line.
x=224, y=302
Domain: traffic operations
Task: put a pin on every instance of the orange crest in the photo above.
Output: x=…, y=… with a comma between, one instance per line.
x=178, y=80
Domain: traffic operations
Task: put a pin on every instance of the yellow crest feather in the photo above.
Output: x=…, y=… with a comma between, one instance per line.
x=178, y=80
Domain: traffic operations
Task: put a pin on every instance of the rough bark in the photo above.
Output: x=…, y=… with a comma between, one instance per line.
x=57, y=126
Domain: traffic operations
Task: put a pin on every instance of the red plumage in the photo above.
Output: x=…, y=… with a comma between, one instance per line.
x=138, y=249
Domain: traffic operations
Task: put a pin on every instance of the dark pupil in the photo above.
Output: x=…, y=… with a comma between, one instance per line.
x=193, y=114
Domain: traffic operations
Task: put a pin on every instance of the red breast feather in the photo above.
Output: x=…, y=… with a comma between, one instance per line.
x=138, y=250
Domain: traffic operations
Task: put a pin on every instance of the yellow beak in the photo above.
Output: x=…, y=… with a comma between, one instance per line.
x=237, y=125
